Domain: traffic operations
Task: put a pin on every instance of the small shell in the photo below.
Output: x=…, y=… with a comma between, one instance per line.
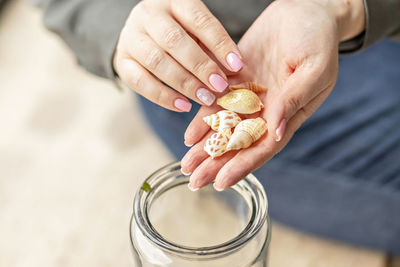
x=256, y=88
x=246, y=133
x=224, y=119
x=241, y=101
x=215, y=146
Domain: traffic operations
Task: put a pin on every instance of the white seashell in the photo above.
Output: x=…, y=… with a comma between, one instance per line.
x=215, y=146
x=224, y=119
x=241, y=101
x=246, y=133
x=256, y=88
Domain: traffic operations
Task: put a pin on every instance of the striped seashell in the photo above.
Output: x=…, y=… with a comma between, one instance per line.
x=223, y=119
x=215, y=146
x=256, y=88
x=241, y=101
x=246, y=133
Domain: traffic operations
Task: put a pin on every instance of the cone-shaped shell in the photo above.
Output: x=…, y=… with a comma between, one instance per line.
x=215, y=146
x=224, y=119
x=256, y=88
x=246, y=133
x=241, y=101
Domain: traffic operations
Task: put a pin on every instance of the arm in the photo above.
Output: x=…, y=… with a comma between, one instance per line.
x=90, y=28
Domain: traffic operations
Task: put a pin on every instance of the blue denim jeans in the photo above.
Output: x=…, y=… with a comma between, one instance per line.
x=339, y=177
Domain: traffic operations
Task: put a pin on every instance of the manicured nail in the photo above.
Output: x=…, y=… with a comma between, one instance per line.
x=182, y=105
x=218, y=82
x=185, y=173
x=281, y=130
x=188, y=145
x=219, y=189
x=234, y=61
x=205, y=96
x=192, y=188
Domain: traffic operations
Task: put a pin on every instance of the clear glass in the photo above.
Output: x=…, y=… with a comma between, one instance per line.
x=173, y=226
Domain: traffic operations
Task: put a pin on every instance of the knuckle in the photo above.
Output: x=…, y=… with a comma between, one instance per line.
x=158, y=97
x=163, y=98
x=202, y=19
x=173, y=36
x=154, y=59
x=308, y=111
x=200, y=66
x=222, y=42
x=187, y=84
x=293, y=103
x=135, y=80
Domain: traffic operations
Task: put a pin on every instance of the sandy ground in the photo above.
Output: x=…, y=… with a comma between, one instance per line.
x=73, y=151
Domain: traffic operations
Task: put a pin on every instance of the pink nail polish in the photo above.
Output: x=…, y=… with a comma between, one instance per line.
x=193, y=189
x=281, y=130
x=234, y=61
x=185, y=173
x=218, y=82
x=187, y=144
x=205, y=96
x=218, y=188
x=182, y=105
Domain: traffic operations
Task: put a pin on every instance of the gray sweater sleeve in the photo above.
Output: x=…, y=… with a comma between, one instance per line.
x=90, y=28
x=382, y=21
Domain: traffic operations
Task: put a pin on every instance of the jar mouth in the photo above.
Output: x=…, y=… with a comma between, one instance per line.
x=160, y=181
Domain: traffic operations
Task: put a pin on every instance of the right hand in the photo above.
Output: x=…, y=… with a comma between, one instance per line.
x=180, y=43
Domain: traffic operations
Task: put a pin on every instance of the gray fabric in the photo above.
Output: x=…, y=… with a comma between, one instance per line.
x=383, y=20
x=91, y=27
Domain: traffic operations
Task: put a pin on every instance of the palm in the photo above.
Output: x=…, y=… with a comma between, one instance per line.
x=272, y=59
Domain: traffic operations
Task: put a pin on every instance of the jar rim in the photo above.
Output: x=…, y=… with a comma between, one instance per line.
x=258, y=216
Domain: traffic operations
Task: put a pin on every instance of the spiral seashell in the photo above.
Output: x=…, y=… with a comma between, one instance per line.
x=256, y=88
x=215, y=146
x=241, y=101
x=246, y=133
x=223, y=119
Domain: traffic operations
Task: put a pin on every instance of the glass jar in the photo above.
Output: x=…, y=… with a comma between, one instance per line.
x=173, y=226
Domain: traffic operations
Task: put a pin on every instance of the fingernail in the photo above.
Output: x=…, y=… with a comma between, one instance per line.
x=185, y=173
x=190, y=186
x=188, y=145
x=219, y=189
x=218, y=82
x=205, y=96
x=182, y=105
x=281, y=130
x=234, y=61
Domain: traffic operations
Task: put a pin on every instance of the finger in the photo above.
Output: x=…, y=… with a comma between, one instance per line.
x=140, y=80
x=206, y=172
x=300, y=88
x=244, y=162
x=197, y=127
x=198, y=20
x=252, y=158
x=158, y=62
x=194, y=156
x=169, y=35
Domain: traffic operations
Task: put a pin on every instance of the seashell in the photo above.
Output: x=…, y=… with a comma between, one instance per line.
x=256, y=88
x=246, y=133
x=241, y=101
x=222, y=120
x=215, y=146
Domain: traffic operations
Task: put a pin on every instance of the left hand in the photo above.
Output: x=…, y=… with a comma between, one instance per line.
x=292, y=49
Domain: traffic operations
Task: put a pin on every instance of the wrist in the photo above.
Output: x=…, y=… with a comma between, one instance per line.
x=350, y=17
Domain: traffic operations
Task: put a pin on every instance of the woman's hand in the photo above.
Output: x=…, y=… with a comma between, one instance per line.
x=180, y=43
x=292, y=49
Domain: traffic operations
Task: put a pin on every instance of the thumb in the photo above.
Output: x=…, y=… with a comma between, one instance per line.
x=297, y=91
